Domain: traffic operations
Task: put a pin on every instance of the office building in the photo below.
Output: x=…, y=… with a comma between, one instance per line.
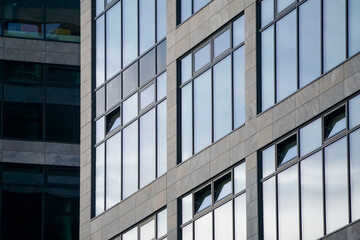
x=214, y=119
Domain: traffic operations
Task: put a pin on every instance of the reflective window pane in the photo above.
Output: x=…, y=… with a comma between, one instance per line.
x=113, y=120
x=310, y=137
x=99, y=179
x=99, y=6
x=238, y=31
x=354, y=114
x=147, y=232
x=186, y=70
x=268, y=161
x=161, y=19
x=130, y=108
x=113, y=92
x=222, y=43
x=267, y=12
x=240, y=217
x=131, y=235
x=161, y=86
x=130, y=159
x=334, y=33
x=202, y=57
x=239, y=87
x=187, y=232
x=222, y=98
x=336, y=187
x=147, y=66
x=288, y=204
x=147, y=24
x=224, y=221
x=100, y=101
x=309, y=42
x=161, y=57
x=147, y=148
x=113, y=170
x=100, y=51
x=269, y=209
x=186, y=207
x=334, y=122
x=354, y=30
x=202, y=111
x=287, y=150
x=113, y=40
x=147, y=96
x=186, y=6
x=202, y=199
x=282, y=4
x=286, y=56
x=198, y=4
x=100, y=129
x=267, y=68
x=222, y=187
x=355, y=174
x=130, y=80
x=202, y=226
x=161, y=139
x=239, y=178
x=161, y=223
x=312, y=197
x=186, y=122
x=130, y=31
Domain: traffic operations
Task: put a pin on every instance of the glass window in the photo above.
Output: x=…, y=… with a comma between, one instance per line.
x=286, y=56
x=161, y=57
x=130, y=31
x=334, y=122
x=202, y=57
x=186, y=206
x=147, y=24
x=99, y=179
x=100, y=51
x=336, y=187
x=288, y=204
x=222, y=43
x=130, y=108
x=198, y=4
x=130, y=159
x=161, y=223
x=147, y=66
x=147, y=148
x=239, y=178
x=113, y=40
x=161, y=86
x=282, y=4
x=130, y=80
x=147, y=96
x=267, y=68
x=269, y=209
x=113, y=120
x=309, y=42
x=354, y=30
x=312, y=197
x=20, y=174
x=63, y=20
x=147, y=231
x=310, y=137
x=100, y=101
x=131, y=235
x=267, y=12
x=202, y=226
x=186, y=70
x=187, y=232
x=240, y=217
x=113, y=92
x=224, y=221
x=222, y=98
x=202, y=199
x=99, y=6
x=238, y=31
x=186, y=122
x=202, y=111
x=287, y=150
x=354, y=114
x=239, y=87
x=222, y=187
x=113, y=170
x=100, y=129
x=268, y=161
x=355, y=174
x=161, y=19
x=161, y=139
x=24, y=18
x=186, y=6
x=334, y=33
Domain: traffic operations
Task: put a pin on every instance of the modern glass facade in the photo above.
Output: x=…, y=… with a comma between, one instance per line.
x=186, y=8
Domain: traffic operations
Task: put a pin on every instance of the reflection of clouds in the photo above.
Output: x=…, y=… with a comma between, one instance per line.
x=113, y=170
x=161, y=138
x=240, y=179
x=186, y=121
x=147, y=231
x=130, y=159
x=239, y=87
x=240, y=217
x=224, y=221
x=355, y=172
x=310, y=137
x=202, y=226
x=269, y=208
x=131, y=234
x=99, y=181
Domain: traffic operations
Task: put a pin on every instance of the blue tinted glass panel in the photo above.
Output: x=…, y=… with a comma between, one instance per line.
x=99, y=6
x=239, y=87
x=269, y=209
x=310, y=137
x=185, y=9
x=100, y=180
x=130, y=108
x=161, y=139
x=130, y=31
x=202, y=57
x=113, y=92
x=113, y=40
x=147, y=67
x=334, y=122
x=130, y=80
x=161, y=57
x=147, y=24
x=354, y=30
x=267, y=12
x=355, y=174
x=268, y=161
x=113, y=170
x=161, y=86
x=100, y=51
x=198, y=4
x=354, y=114
x=238, y=31
x=130, y=159
x=267, y=68
x=222, y=43
x=282, y=4
x=161, y=19
x=147, y=96
x=186, y=122
x=186, y=68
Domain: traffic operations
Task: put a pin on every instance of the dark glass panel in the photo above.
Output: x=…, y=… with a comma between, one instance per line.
x=65, y=176
x=113, y=120
x=147, y=67
x=287, y=150
x=22, y=174
x=63, y=20
x=113, y=92
x=202, y=199
x=161, y=57
x=23, y=18
x=334, y=122
x=130, y=80
x=222, y=187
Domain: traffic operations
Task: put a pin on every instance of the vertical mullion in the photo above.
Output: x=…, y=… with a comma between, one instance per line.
x=349, y=177
x=324, y=194
x=298, y=46
x=322, y=36
x=274, y=37
x=347, y=29
x=299, y=197
x=156, y=135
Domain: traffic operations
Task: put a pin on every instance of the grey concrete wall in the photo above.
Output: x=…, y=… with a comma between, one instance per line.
x=258, y=131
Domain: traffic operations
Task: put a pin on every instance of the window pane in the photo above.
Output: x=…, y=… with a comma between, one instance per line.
x=186, y=122
x=286, y=59
x=100, y=51
x=187, y=232
x=354, y=114
x=202, y=57
x=63, y=20
x=99, y=6
x=267, y=12
x=198, y=4
x=161, y=139
x=185, y=9
x=186, y=206
x=310, y=137
x=22, y=174
x=161, y=223
x=309, y=42
x=222, y=43
x=288, y=204
x=161, y=86
x=202, y=199
x=113, y=40
x=222, y=98
x=100, y=129
x=130, y=31
x=238, y=31
x=202, y=111
x=240, y=217
x=161, y=19
x=354, y=30
x=113, y=120
x=224, y=222
x=147, y=148
x=186, y=69
x=239, y=87
x=100, y=101
x=131, y=235
x=113, y=170
x=147, y=66
x=267, y=68
x=202, y=226
x=268, y=161
x=336, y=187
x=99, y=179
x=312, y=197
x=334, y=33
x=147, y=232
x=282, y=4
x=147, y=24
x=269, y=209
x=287, y=150
x=239, y=178
x=334, y=122
x=147, y=96
x=222, y=187
x=130, y=80
x=113, y=92
x=130, y=108
x=23, y=18
x=355, y=174
x=161, y=57
x=130, y=159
